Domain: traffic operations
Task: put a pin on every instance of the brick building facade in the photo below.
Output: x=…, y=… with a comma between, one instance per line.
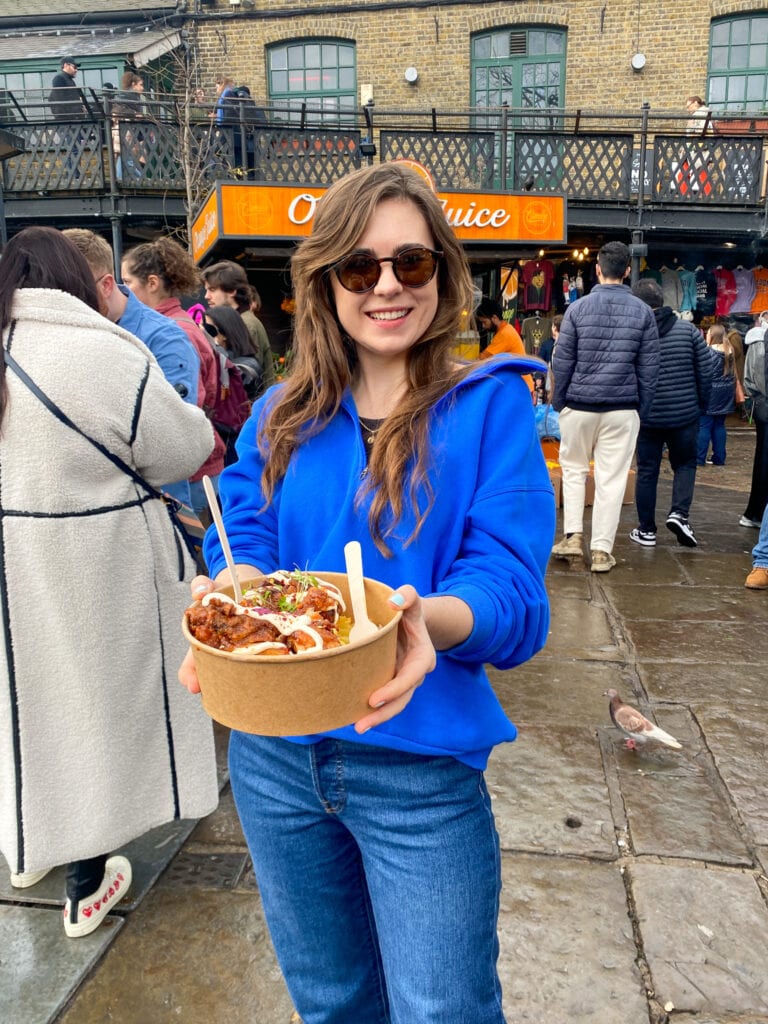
x=435, y=38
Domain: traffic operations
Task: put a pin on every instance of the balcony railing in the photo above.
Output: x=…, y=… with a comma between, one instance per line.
x=651, y=157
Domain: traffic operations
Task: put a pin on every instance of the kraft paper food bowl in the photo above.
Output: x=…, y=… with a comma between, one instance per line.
x=297, y=694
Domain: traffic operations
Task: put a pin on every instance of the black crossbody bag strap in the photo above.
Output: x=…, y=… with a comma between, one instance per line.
x=170, y=503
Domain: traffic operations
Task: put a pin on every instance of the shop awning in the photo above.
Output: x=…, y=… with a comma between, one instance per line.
x=271, y=213
x=142, y=45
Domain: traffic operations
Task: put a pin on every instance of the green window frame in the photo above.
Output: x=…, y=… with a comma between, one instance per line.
x=30, y=82
x=737, y=76
x=321, y=73
x=520, y=66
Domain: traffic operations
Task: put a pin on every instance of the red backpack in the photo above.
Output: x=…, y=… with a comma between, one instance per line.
x=232, y=406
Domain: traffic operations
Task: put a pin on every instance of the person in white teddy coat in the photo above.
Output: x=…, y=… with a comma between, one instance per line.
x=98, y=742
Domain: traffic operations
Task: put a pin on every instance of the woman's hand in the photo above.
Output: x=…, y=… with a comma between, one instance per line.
x=200, y=586
x=415, y=658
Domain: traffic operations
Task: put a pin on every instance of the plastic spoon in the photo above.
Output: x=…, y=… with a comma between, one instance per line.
x=213, y=504
x=362, y=627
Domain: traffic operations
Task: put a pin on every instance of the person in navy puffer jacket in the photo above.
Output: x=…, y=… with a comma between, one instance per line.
x=605, y=367
x=722, y=400
x=682, y=394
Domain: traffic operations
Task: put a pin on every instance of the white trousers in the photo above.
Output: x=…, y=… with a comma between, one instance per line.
x=609, y=439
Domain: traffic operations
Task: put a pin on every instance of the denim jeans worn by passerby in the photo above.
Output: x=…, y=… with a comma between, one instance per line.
x=379, y=872
x=760, y=550
x=712, y=428
x=681, y=442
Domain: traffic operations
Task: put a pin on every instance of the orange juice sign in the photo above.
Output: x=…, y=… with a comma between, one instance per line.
x=286, y=212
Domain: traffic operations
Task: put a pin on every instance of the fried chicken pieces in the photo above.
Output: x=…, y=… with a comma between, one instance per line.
x=288, y=613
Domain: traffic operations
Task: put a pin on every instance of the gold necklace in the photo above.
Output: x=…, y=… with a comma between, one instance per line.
x=370, y=428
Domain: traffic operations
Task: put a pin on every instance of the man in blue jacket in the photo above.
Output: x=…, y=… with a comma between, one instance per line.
x=682, y=393
x=166, y=341
x=605, y=367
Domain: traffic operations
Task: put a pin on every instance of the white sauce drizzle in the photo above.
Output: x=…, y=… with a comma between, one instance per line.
x=284, y=623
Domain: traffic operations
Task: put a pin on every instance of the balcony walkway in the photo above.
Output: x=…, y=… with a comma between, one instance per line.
x=619, y=171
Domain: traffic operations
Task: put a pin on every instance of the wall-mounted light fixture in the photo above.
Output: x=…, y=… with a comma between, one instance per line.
x=411, y=75
x=638, y=61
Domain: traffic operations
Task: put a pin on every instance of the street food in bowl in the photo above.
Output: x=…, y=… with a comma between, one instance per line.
x=284, y=613
x=295, y=687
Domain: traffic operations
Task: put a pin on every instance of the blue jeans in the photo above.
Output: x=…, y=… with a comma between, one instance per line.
x=760, y=550
x=681, y=442
x=379, y=872
x=711, y=428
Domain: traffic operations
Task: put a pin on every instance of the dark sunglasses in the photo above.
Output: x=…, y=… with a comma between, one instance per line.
x=413, y=268
x=211, y=329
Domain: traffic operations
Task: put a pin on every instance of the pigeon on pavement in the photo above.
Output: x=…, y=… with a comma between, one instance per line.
x=636, y=727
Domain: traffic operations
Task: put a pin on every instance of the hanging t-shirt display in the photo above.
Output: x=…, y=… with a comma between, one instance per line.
x=726, y=291
x=706, y=291
x=745, y=290
x=672, y=287
x=537, y=278
x=509, y=286
x=565, y=278
x=535, y=331
x=688, y=281
x=760, y=301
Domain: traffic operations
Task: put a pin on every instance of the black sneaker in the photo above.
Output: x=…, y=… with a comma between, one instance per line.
x=682, y=529
x=644, y=537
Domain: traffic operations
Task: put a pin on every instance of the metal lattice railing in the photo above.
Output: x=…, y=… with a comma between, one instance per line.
x=57, y=157
x=582, y=166
x=710, y=169
x=317, y=157
x=462, y=160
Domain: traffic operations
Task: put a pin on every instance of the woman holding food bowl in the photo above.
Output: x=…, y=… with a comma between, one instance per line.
x=374, y=845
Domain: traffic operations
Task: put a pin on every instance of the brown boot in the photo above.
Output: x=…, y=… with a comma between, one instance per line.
x=757, y=580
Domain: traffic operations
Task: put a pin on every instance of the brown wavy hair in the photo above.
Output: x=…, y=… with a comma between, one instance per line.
x=325, y=359
x=167, y=260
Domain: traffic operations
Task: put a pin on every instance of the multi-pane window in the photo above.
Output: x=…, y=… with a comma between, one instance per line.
x=318, y=72
x=520, y=67
x=738, y=63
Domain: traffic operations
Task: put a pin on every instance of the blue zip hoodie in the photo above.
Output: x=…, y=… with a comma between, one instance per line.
x=486, y=541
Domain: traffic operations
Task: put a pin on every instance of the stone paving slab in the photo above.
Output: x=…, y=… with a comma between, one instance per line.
x=677, y=642
x=703, y=682
x=548, y=689
x=638, y=566
x=220, y=936
x=40, y=969
x=580, y=628
x=549, y=793
x=567, y=949
x=705, y=937
x=737, y=736
x=684, y=603
x=674, y=801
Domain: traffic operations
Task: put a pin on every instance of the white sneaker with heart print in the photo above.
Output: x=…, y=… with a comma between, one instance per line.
x=87, y=914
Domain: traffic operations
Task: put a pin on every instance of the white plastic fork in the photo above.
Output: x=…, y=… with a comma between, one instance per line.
x=362, y=627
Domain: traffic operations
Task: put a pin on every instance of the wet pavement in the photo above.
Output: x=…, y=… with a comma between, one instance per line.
x=635, y=888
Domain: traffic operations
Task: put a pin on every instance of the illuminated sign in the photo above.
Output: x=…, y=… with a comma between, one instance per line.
x=251, y=212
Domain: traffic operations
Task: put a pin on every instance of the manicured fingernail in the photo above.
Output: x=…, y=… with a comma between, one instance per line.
x=398, y=600
x=201, y=588
x=379, y=705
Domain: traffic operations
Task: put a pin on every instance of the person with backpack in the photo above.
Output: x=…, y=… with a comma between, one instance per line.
x=231, y=336
x=226, y=284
